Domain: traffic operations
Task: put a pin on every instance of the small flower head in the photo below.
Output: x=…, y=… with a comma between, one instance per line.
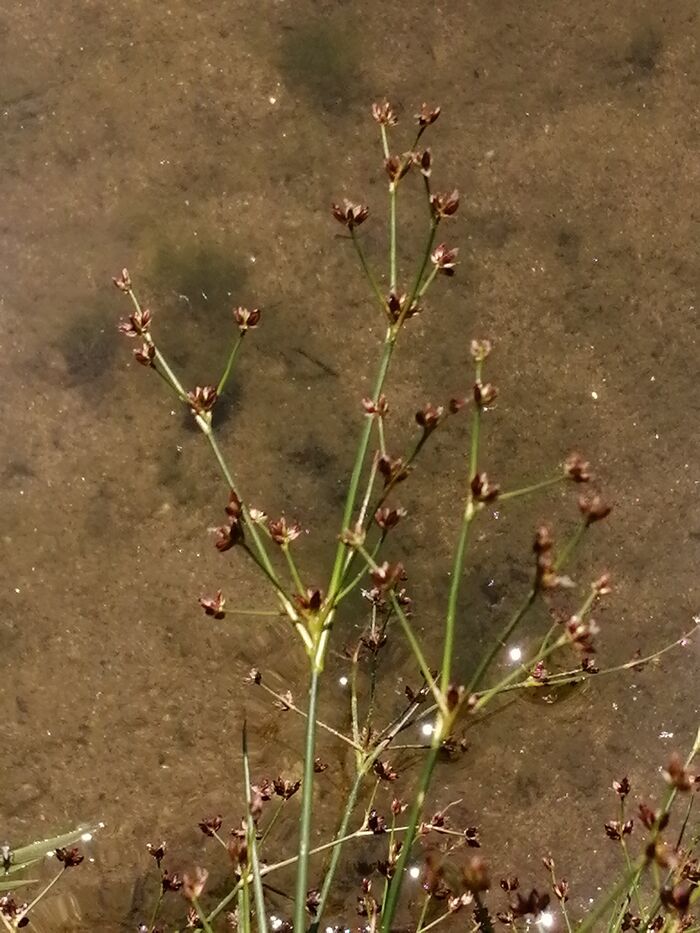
x=170, y=882
x=384, y=113
x=396, y=167
x=193, y=883
x=157, y=851
x=676, y=774
x=145, y=354
x=393, y=470
x=424, y=161
x=137, y=324
x=387, y=576
x=576, y=468
x=480, y=349
x=246, y=318
x=123, y=281
x=621, y=787
x=388, y=518
x=349, y=214
x=69, y=857
x=483, y=489
x=211, y=826
x=384, y=771
x=444, y=205
x=429, y=417
x=397, y=306
x=202, y=399
x=581, y=634
x=444, y=259
x=616, y=830
x=593, y=508
x=427, y=115
x=282, y=532
x=484, y=395
x=380, y=408
x=213, y=606
x=376, y=823
x=285, y=789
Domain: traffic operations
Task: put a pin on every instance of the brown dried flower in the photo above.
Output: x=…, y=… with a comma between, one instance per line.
x=427, y=115
x=213, y=605
x=145, y=354
x=483, y=490
x=397, y=306
x=123, y=281
x=170, y=882
x=352, y=215
x=576, y=468
x=137, y=324
x=376, y=823
x=69, y=857
x=157, y=851
x=424, y=161
x=388, y=518
x=384, y=771
x=193, y=884
x=480, y=349
x=676, y=774
x=283, y=533
x=211, y=826
x=615, y=830
x=429, y=417
x=393, y=470
x=388, y=575
x=444, y=205
x=444, y=258
x=246, y=318
x=621, y=787
x=396, y=167
x=202, y=399
x=484, y=394
x=384, y=113
x=593, y=508
x=379, y=408
x=284, y=788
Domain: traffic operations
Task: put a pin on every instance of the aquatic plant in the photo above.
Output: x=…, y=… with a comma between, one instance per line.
x=563, y=655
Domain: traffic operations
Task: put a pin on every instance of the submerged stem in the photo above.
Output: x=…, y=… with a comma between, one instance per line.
x=306, y=805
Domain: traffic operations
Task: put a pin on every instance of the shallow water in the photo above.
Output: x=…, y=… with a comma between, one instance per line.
x=200, y=144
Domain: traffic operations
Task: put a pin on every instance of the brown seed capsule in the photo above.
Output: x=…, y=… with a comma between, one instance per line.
x=320, y=766
x=283, y=533
x=311, y=601
x=157, y=851
x=397, y=306
x=676, y=774
x=621, y=787
x=193, y=883
x=429, y=417
x=396, y=167
x=483, y=490
x=510, y=883
x=211, y=826
x=123, y=281
x=384, y=113
x=581, y=633
x=202, y=399
x=444, y=259
x=286, y=789
x=379, y=408
x=384, y=771
x=170, y=882
x=388, y=518
x=246, y=319
x=137, y=324
x=444, y=205
x=576, y=468
x=349, y=214
x=213, y=605
x=145, y=354
x=615, y=830
x=427, y=115
x=69, y=857
x=313, y=899
x=593, y=508
x=484, y=394
x=561, y=889
x=393, y=470
x=471, y=834
x=424, y=161
x=376, y=823
x=388, y=575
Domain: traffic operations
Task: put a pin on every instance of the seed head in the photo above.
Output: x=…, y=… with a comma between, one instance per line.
x=593, y=508
x=483, y=489
x=193, y=884
x=283, y=533
x=427, y=115
x=379, y=408
x=384, y=113
x=396, y=167
x=202, y=399
x=69, y=857
x=246, y=318
x=137, y=324
x=388, y=518
x=123, y=281
x=157, y=852
x=393, y=470
x=621, y=787
x=213, y=605
x=211, y=826
x=145, y=354
x=444, y=205
x=284, y=788
x=484, y=394
x=444, y=258
x=424, y=161
x=429, y=417
x=576, y=468
x=349, y=214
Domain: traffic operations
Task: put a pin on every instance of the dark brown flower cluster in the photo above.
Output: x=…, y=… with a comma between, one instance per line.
x=384, y=113
x=283, y=532
x=444, y=205
x=483, y=490
x=231, y=533
x=380, y=408
x=429, y=417
x=202, y=399
x=444, y=259
x=246, y=318
x=394, y=470
x=398, y=307
x=214, y=605
x=349, y=214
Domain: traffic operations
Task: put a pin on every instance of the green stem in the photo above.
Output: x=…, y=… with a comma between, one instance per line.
x=369, y=274
x=43, y=892
x=296, y=579
x=535, y=487
x=306, y=805
x=424, y=911
x=392, y=235
x=229, y=365
x=252, y=840
x=202, y=916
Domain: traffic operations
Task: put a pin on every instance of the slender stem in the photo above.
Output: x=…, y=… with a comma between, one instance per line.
x=535, y=487
x=202, y=916
x=393, y=192
x=252, y=839
x=229, y=365
x=306, y=805
x=369, y=274
x=419, y=277
x=254, y=612
x=43, y=892
x=453, y=596
x=354, y=714
x=285, y=701
x=334, y=586
x=156, y=909
x=296, y=579
x=275, y=816
x=424, y=911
